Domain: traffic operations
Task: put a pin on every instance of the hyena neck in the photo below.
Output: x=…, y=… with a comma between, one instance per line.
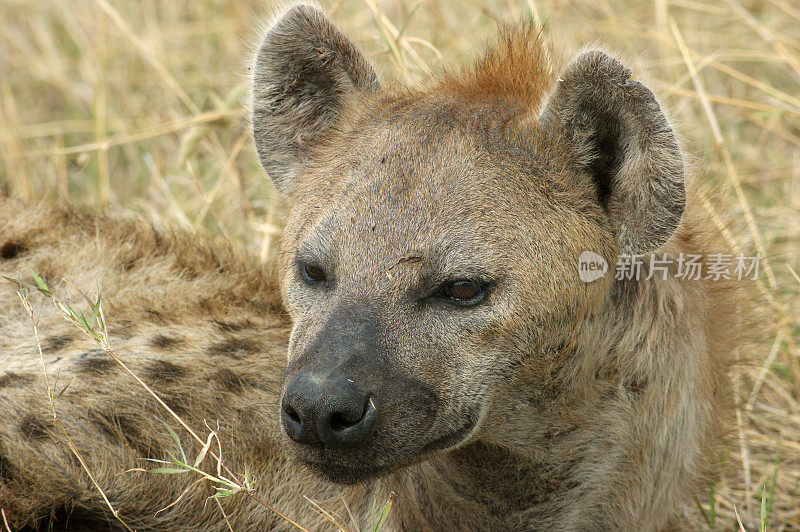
x=500, y=488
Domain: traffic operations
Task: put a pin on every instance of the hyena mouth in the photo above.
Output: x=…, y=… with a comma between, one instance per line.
x=354, y=466
x=451, y=440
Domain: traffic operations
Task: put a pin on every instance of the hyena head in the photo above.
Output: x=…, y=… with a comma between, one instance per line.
x=430, y=258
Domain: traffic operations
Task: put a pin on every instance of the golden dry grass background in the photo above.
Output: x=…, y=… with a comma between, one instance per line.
x=138, y=104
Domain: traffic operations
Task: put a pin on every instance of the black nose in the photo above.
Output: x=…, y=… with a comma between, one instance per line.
x=328, y=410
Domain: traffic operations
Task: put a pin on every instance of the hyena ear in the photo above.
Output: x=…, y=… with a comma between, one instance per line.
x=622, y=139
x=305, y=69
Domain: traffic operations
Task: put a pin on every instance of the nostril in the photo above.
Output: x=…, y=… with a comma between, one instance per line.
x=294, y=426
x=340, y=422
x=292, y=413
x=352, y=426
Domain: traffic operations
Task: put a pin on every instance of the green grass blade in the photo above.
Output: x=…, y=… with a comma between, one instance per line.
x=167, y=471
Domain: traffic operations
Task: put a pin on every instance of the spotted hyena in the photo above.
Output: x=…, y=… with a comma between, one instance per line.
x=426, y=331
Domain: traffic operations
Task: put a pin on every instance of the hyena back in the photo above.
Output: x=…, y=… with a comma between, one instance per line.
x=432, y=337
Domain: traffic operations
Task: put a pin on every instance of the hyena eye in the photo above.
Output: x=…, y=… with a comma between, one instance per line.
x=466, y=292
x=312, y=274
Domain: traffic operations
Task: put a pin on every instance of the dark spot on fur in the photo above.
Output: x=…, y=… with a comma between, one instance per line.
x=7, y=472
x=16, y=380
x=121, y=429
x=263, y=449
x=206, y=305
x=123, y=328
x=623, y=292
x=104, y=425
x=155, y=316
x=96, y=362
x=176, y=402
x=235, y=348
x=189, y=273
x=230, y=326
x=606, y=374
x=74, y=515
x=56, y=343
x=163, y=371
x=637, y=386
x=231, y=381
x=33, y=428
x=128, y=264
x=165, y=342
x=10, y=250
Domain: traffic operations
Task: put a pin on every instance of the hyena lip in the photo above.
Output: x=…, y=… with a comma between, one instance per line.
x=450, y=440
x=327, y=462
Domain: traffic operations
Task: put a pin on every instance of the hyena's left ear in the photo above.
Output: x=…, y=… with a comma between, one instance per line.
x=305, y=69
x=624, y=142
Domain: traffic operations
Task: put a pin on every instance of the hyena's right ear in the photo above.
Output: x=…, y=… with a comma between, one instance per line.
x=304, y=71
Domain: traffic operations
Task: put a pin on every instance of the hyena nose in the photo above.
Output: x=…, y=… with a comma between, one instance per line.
x=329, y=410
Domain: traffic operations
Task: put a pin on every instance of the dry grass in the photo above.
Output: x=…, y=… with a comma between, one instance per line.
x=137, y=103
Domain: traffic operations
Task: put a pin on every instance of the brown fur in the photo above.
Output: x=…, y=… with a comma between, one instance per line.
x=588, y=406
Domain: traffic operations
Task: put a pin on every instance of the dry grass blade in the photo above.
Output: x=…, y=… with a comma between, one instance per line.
x=773, y=353
x=739, y=520
x=725, y=100
x=224, y=515
x=184, y=492
x=316, y=507
x=794, y=273
x=5, y=521
x=350, y=513
x=120, y=140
